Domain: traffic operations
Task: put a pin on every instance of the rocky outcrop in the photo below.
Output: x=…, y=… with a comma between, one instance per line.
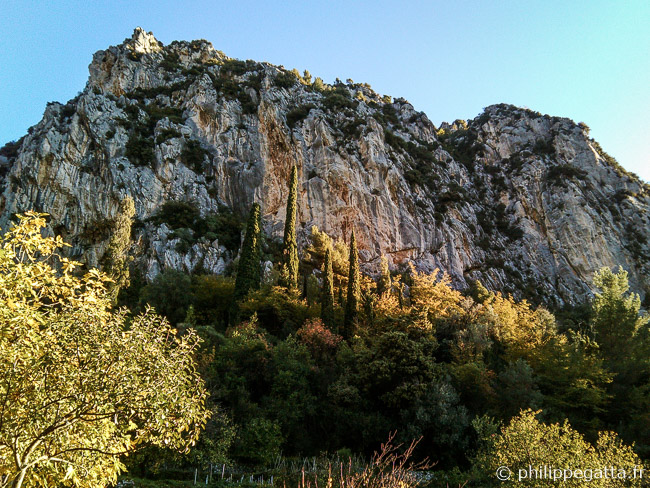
x=524, y=202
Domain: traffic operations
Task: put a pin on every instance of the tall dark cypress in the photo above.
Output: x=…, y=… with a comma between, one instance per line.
x=289, y=267
x=248, y=270
x=354, y=291
x=327, y=294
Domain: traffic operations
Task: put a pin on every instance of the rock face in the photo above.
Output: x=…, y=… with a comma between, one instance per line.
x=524, y=202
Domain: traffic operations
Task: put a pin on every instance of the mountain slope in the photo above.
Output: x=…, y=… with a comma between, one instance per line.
x=526, y=203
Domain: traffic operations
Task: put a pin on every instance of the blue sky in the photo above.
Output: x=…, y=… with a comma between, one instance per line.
x=587, y=60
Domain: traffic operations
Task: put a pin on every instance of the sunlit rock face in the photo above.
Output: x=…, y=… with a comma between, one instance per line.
x=526, y=203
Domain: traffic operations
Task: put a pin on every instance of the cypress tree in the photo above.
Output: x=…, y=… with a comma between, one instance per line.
x=289, y=267
x=354, y=290
x=116, y=260
x=327, y=295
x=248, y=269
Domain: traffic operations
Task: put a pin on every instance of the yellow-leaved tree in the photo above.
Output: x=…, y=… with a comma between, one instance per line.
x=528, y=452
x=80, y=385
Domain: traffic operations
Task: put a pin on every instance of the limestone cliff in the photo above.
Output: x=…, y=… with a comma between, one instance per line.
x=522, y=201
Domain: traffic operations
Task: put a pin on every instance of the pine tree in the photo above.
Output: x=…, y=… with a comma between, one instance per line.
x=248, y=270
x=115, y=262
x=354, y=290
x=289, y=266
x=327, y=295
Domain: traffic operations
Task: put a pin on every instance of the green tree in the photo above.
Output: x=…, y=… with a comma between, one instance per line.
x=327, y=296
x=527, y=444
x=622, y=335
x=79, y=385
x=115, y=262
x=249, y=268
x=169, y=293
x=354, y=291
x=615, y=315
x=289, y=266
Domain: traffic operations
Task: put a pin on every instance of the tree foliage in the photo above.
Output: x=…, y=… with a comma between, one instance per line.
x=78, y=387
x=249, y=267
x=116, y=259
x=289, y=266
x=615, y=315
x=527, y=444
x=354, y=291
x=327, y=295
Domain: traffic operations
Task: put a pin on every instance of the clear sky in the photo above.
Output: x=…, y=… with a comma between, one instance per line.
x=587, y=60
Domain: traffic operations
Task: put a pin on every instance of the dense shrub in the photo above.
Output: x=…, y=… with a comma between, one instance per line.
x=336, y=100
x=167, y=134
x=463, y=146
x=544, y=147
x=193, y=155
x=234, y=90
x=171, y=62
x=237, y=67
x=298, y=114
x=168, y=294
x=156, y=113
x=177, y=214
x=223, y=225
x=557, y=175
x=68, y=110
x=10, y=149
x=139, y=150
x=285, y=79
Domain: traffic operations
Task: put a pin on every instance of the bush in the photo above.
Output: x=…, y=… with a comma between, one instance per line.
x=463, y=146
x=224, y=225
x=258, y=442
x=353, y=129
x=139, y=150
x=171, y=62
x=237, y=67
x=11, y=149
x=167, y=134
x=337, y=101
x=177, y=214
x=212, y=296
x=186, y=237
x=298, y=114
x=133, y=56
x=68, y=110
x=557, y=175
x=285, y=79
x=193, y=155
x=543, y=147
x=233, y=90
x=527, y=443
x=168, y=294
x=156, y=113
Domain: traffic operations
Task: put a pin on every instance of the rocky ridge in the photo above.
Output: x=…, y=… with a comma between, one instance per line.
x=525, y=202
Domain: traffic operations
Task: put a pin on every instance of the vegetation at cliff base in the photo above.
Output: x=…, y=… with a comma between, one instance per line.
x=337, y=364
